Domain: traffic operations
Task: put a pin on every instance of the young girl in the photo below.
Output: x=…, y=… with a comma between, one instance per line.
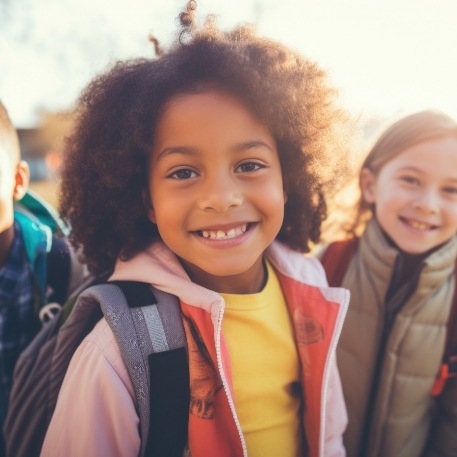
x=401, y=279
x=203, y=173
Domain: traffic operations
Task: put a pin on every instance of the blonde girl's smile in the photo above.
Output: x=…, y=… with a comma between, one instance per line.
x=418, y=225
x=415, y=195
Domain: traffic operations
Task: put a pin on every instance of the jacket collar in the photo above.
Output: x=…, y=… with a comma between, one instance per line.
x=160, y=267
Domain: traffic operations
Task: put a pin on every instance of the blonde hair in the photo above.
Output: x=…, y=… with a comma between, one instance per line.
x=349, y=212
x=401, y=135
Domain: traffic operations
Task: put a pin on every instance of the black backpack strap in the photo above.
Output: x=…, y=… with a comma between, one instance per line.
x=148, y=327
x=58, y=270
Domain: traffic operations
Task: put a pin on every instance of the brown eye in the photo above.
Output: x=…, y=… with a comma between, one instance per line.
x=249, y=167
x=182, y=174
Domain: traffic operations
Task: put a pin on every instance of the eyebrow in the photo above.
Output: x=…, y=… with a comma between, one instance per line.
x=422, y=172
x=255, y=144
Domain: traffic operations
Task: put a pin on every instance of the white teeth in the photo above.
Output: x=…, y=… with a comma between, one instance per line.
x=221, y=235
x=419, y=225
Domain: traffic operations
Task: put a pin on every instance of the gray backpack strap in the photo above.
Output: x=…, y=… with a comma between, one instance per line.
x=144, y=321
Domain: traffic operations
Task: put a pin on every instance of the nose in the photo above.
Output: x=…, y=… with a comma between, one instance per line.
x=220, y=193
x=427, y=201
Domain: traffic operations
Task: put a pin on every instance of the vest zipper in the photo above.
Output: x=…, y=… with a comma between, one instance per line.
x=386, y=329
x=331, y=351
x=224, y=379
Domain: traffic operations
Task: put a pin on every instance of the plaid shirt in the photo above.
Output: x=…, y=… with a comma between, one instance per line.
x=18, y=320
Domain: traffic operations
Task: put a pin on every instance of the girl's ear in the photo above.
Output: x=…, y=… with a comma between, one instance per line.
x=368, y=185
x=21, y=180
x=151, y=215
x=284, y=191
x=149, y=208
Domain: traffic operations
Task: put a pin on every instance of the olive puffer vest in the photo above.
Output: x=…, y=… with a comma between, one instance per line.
x=395, y=419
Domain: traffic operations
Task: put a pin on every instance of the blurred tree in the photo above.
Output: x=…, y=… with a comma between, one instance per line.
x=54, y=127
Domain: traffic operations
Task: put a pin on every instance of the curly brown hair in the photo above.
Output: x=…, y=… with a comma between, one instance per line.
x=105, y=168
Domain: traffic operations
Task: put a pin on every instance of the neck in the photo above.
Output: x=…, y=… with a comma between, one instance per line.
x=249, y=282
x=6, y=241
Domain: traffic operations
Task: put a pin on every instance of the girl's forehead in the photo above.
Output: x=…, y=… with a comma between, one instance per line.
x=400, y=150
x=434, y=157
x=209, y=109
x=207, y=96
x=430, y=147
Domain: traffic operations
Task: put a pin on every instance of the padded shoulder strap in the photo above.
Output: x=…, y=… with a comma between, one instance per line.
x=44, y=212
x=336, y=258
x=147, y=325
x=58, y=270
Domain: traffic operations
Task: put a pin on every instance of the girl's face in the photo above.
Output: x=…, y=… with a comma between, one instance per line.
x=415, y=195
x=216, y=189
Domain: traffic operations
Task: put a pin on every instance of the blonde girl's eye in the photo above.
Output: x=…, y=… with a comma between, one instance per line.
x=451, y=191
x=409, y=180
x=182, y=174
x=249, y=167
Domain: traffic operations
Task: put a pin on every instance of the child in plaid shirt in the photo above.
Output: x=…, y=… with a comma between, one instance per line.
x=35, y=267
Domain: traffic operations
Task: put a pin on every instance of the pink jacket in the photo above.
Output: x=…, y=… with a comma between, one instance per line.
x=96, y=412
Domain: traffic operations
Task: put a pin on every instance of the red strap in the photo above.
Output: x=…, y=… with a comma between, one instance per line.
x=448, y=367
x=336, y=258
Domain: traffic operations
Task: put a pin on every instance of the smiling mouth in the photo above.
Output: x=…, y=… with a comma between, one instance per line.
x=422, y=226
x=224, y=234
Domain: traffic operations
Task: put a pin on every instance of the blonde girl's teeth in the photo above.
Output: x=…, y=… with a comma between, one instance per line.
x=231, y=233
x=418, y=225
x=205, y=234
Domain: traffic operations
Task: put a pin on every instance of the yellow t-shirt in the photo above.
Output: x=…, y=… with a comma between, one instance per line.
x=265, y=369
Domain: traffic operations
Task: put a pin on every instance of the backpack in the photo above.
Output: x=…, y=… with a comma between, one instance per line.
x=160, y=377
x=56, y=270
x=335, y=260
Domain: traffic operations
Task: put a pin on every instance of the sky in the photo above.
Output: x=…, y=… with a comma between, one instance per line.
x=386, y=57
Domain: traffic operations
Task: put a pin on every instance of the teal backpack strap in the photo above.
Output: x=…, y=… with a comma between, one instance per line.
x=147, y=325
x=44, y=213
x=37, y=242
x=42, y=227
